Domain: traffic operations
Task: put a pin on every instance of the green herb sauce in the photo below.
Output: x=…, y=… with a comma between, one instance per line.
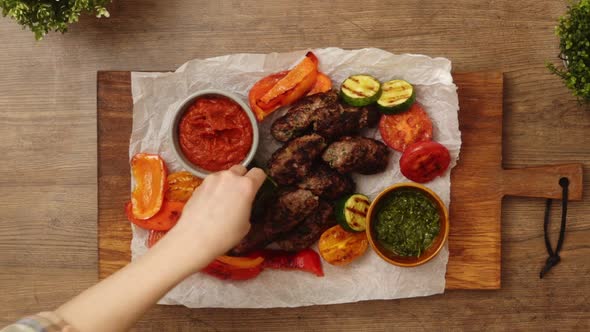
x=407, y=222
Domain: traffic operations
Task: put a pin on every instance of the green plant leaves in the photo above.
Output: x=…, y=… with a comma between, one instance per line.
x=574, y=33
x=42, y=16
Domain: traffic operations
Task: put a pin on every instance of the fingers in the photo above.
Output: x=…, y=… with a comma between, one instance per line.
x=257, y=175
x=238, y=170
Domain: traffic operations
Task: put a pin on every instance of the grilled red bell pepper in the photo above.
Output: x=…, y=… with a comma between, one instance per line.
x=260, y=89
x=305, y=71
x=164, y=220
x=284, y=88
x=305, y=260
x=323, y=83
x=235, y=268
x=149, y=172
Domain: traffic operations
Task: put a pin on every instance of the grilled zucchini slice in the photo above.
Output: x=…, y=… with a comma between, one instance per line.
x=360, y=90
x=397, y=97
x=351, y=212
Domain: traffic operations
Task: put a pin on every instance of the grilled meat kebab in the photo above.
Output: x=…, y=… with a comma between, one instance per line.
x=357, y=154
x=323, y=114
x=290, y=208
x=298, y=216
x=309, y=231
x=293, y=161
x=326, y=182
x=299, y=118
x=332, y=122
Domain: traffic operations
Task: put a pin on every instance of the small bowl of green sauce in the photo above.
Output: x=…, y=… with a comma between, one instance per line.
x=408, y=224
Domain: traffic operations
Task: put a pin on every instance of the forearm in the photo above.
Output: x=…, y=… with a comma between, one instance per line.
x=116, y=303
x=213, y=221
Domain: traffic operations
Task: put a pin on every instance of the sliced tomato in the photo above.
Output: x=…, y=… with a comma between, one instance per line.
x=423, y=161
x=400, y=130
x=225, y=271
x=164, y=220
x=149, y=172
x=260, y=89
x=154, y=237
x=339, y=247
x=323, y=83
x=181, y=186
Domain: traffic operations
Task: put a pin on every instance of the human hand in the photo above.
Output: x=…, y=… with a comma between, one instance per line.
x=214, y=220
x=217, y=215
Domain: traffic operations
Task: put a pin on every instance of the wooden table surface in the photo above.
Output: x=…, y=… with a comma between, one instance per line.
x=48, y=189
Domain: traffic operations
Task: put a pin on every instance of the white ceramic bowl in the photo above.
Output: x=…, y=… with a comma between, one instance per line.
x=184, y=106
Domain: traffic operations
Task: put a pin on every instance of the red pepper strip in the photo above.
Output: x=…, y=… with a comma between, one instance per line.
x=290, y=88
x=286, y=87
x=149, y=172
x=323, y=83
x=299, y=90
x=260, y=89
x=305, y=260
x=241, y=262
x=311, y=56
x=164, y=220
x=307, y=66
x=224, y=271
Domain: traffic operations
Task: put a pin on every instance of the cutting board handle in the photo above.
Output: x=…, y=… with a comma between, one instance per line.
x=543, y=181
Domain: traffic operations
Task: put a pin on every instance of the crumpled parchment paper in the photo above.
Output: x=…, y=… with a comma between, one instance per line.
x=156, y=95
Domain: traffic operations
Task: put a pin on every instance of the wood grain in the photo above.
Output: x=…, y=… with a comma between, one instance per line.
x=475, y=238
x=48, y=133
x=114, y=130
x=541, y=181
x=478, y=184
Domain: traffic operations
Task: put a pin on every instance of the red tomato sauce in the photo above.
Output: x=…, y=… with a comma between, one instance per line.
x=215, y=133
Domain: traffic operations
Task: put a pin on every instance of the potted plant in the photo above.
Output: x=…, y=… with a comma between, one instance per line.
x=42, y=16
x=573, y=31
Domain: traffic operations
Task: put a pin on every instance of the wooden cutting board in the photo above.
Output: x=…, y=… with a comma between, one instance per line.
x=478, y=181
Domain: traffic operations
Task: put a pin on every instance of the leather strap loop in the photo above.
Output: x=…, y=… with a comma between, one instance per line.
x=554, y=258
